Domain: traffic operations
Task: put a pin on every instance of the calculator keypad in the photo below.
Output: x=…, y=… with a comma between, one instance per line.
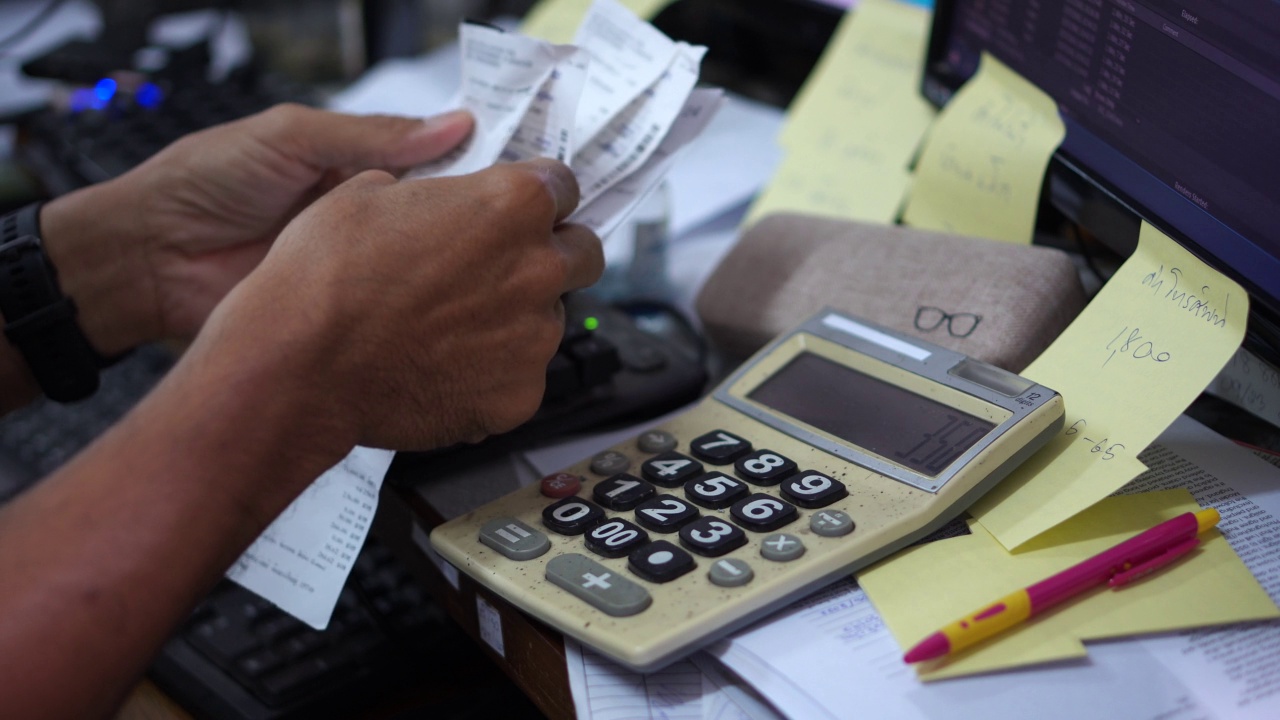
x=718, y=513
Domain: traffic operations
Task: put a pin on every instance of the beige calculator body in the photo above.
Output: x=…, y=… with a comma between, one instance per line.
x=838, y=444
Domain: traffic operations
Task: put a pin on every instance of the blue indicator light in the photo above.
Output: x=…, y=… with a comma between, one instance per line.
x=84, y=99
x=148, y=95
x=105, y=89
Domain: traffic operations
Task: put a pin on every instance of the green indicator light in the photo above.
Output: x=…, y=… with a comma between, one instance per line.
x=591, y=323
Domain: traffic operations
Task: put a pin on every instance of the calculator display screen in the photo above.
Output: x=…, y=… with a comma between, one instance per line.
x=899, y=425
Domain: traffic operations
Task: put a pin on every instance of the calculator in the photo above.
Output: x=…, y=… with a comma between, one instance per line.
x=832, y=447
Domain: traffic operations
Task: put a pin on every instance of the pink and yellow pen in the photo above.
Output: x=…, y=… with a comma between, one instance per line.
x=1141, y=554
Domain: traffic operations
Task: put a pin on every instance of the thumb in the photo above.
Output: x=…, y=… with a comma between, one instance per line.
x=330, y=139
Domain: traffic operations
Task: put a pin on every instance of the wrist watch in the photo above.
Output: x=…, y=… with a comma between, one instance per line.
x=39, y=320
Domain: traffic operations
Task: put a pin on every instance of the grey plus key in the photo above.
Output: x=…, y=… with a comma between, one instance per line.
x=601, y=587
x=513, y=538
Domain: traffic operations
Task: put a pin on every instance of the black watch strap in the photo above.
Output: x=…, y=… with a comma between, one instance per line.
x=39, y=320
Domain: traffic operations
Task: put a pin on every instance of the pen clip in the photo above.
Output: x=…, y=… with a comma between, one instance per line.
x=1125, y=577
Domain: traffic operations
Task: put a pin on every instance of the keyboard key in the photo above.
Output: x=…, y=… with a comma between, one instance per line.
x=764, y=467
x=715, y=490
x=572, y=516
x=622, y=492
x=665, y=513
x=599, y=586
x=812, y=489
x=719, y=447
x=670, y=469
x=762, y=512
x=660, y=561
x=831, y=523
x=730, y=572
x=781, y=547
x=514, y=539
x=712, y=537
x=615, y=538
x=656, y=441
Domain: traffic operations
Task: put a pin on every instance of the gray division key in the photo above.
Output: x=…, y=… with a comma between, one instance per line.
x=514, y=539
x=604, y=589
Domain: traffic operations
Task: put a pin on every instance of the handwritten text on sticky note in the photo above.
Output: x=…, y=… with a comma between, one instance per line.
x=984, y=160
x=1156, y=334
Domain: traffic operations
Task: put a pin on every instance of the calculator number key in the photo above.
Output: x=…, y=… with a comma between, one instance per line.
x=762, y=512
x=813, y=490
x=665, y=513
x=716, y=490
x=660, y=561
x=572, y=516
x=712, y=537
x=622, y=492
x=764, y=467
x=719, y=447
x=670, y=469
x=615, y=538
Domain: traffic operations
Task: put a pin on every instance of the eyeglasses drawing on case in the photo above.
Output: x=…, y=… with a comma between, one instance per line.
x=959, y=325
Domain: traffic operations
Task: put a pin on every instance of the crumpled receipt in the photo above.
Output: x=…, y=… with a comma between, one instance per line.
x=617, y=105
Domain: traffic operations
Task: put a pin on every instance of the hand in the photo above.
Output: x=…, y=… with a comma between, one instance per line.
x=192, y=221
x=416, y=313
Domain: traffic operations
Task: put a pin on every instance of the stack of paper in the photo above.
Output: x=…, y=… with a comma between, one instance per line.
x=616, y=105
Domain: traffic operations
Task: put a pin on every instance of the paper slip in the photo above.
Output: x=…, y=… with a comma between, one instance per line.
x=626, y=88
x=523, y=94
x=1250, y=383
x=301, y=561
x=831, y=656
x=854, y=127
x=1155, y=335
x=924, y=588
x=984, y=161
x=558, y=20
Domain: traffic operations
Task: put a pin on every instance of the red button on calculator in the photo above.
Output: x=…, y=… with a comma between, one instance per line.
x=561, y=485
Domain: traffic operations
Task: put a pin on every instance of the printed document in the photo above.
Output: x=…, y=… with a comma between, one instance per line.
x=830, y=656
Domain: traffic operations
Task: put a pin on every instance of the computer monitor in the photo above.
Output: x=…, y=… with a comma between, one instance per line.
x=1172, y=112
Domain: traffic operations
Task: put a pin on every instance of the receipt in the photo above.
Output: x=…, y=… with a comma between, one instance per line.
x=607, y=211
x=523, y=93
x=301, y=561
x=619, y=104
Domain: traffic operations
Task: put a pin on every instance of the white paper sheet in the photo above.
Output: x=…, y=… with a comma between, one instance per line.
x=830, y=656
x=302, y=560
x=603, y=690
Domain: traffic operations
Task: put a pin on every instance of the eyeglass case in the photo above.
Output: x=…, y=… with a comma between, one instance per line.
x=994, y=301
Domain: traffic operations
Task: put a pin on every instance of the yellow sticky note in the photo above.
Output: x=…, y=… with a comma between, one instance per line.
x=984, y=161
x=1151, y=340
x=857, y=122
x=819, y=183
x=926, y=587
x=868, y=78
x=557, y=21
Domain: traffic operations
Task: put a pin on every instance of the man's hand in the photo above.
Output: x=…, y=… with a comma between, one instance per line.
x=421, y=313
x=188, y=224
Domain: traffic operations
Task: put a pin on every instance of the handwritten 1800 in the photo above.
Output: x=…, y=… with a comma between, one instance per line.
x=1135, y=346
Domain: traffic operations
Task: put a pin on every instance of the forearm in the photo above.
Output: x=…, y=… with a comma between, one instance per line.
x=101, y=560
